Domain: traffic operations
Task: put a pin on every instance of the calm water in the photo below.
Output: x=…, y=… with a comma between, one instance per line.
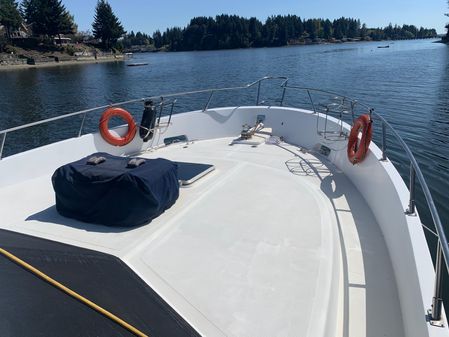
x=408, y=83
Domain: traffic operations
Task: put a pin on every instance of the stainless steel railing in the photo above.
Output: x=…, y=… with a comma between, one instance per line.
x=3, y=133
x=344, y=105
x=443, y=247
x=442, y=252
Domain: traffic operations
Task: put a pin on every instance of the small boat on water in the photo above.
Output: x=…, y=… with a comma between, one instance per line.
x=137, y=64
x=386, y=46
x=256, y=220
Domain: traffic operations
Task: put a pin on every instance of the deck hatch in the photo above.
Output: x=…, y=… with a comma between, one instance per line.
x=188, y=173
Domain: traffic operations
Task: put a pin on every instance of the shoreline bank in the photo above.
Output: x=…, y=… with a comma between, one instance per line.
x=11, y=67
x=299, y=44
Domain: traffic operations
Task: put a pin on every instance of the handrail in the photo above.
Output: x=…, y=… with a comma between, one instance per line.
x=185, y=93
x=443, y=246
x=415, y=171
x=77, y=113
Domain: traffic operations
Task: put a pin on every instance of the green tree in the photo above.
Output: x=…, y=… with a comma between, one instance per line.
x=48, y=17
x=353, y=28
x=363, y=32
x=327, y=29
x=447, y=26
x=157, y=38
x=9, y=16
x=106, y=25
x=68, y=24
x=338, y=29
x=174, y=38
x=232, y=31
x=299, y=27
x=313, y=27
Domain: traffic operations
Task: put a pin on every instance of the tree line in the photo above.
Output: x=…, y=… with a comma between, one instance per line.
x=136, y=39
x=232, y=31
x=50, y=18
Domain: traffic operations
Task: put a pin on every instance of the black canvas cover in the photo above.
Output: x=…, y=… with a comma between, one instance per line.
x=31, y=307
x=114, y=193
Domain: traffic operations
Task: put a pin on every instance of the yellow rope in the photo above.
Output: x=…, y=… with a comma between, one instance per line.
x=70, y=292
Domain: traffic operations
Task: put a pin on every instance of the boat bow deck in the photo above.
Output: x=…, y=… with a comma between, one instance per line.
x=275, y=242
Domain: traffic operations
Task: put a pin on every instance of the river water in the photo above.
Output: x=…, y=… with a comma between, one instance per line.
x=408, y=83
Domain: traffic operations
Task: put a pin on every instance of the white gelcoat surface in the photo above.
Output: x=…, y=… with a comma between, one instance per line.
x=274, y=242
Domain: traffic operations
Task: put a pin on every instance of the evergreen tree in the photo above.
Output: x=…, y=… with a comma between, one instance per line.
x=447, y=27
x=353, y=28
x=106, y=25
x=363, y=32
x=48, y=17
x=136, y=39
x=157, y=38
x=232, y=31
x=70, y=25
x=255, y=32
x=313, y=28
x=9, y=16
x=299, y=27
x=327, y=29
x=338, y=29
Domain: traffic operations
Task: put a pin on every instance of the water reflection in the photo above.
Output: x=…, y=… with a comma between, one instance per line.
x=436, y=151
x=21, y=98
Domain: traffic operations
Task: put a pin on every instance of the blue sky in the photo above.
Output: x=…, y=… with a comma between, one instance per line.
x=149, y=15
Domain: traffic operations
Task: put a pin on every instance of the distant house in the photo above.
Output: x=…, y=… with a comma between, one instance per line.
x=83, y=53
x=62, y=40
x=19, y=34
x=91, y=40
x=23, y=32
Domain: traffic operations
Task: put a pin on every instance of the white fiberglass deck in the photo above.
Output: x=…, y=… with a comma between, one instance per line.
x=274, y=242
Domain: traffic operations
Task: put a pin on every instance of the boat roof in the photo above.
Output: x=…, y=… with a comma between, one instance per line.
x=275, y=241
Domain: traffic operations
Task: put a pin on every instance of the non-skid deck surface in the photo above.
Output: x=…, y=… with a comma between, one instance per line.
x=274, y=242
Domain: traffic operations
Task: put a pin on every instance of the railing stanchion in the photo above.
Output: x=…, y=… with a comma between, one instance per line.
x=311, y=101
x=384, y=142
x=161, y=104
x=2, y=145
x=411, y=204
x=208, y=101
x=437, y=300
x=171, y=111
x=258, y=92
x=82, y=125
x=283, y=94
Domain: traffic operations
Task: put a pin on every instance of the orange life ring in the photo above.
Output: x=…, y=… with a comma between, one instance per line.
x=104, y=126
x=357, y=151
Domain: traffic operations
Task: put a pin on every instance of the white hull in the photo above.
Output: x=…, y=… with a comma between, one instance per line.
x=277, y=241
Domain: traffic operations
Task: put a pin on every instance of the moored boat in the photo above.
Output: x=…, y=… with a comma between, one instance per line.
x=137, y=64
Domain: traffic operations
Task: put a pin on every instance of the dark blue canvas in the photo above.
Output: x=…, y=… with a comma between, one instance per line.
x=113, y=194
